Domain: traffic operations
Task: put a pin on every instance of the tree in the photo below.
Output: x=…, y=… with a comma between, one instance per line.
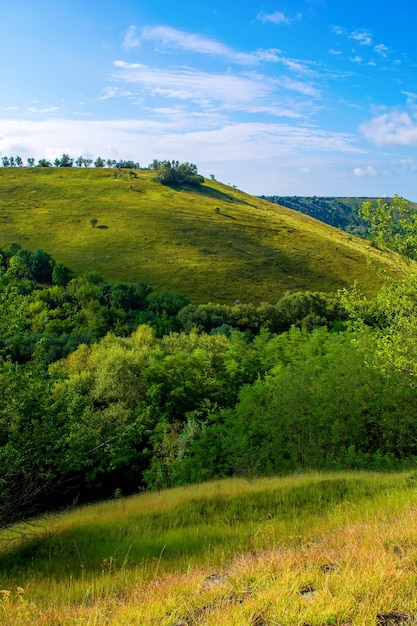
x=174, y=174
x=5, y=161
x=93, y=222
x=61, y=275
x=393, y=226
x=79, y=161
x=66, y=161
x=394, y=348
x=99, y=162
x=44, y=163
x=31, y=162
x=18, y=161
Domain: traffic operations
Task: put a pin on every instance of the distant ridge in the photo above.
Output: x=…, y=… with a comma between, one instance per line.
x=339, y=212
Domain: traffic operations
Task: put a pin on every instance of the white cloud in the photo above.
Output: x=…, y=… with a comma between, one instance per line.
x=188, y=84
x=191, y=42
x=175, y=133
x=356, y=59
x=363, y=37
x=408, y=164
x=250, y=92
x=368, y=171
x=41, y=111
x=411, y=96
x=382, y=49
x=276, y=18
x=391, y=129
x=114, y=92
x=131, y=39
x=186, y=41
x=335, y=52
x=337, y=30
x=296, y=85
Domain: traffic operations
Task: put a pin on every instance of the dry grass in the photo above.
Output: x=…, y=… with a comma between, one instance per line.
x=351, y=561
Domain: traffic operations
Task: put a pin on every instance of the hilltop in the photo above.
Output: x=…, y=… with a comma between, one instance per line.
x=212, y=243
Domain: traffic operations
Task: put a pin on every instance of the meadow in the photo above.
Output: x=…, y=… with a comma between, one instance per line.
x=213, y=244
x=308, y=549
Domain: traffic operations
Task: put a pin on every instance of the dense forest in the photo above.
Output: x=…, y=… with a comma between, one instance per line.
x=110, y=387
x=343, y=213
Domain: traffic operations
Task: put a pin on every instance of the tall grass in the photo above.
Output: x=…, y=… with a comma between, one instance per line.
x=308, y=549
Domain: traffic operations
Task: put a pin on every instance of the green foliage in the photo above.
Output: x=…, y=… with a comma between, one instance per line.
x=393, y=226
x=147, y=388
x=174, y=174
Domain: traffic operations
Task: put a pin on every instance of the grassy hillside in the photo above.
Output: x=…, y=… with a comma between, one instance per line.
x=310, y=549
x=212, y=244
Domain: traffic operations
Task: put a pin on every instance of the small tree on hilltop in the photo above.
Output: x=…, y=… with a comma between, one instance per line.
x=174, y=174
x=99, y=162
x=66, y=161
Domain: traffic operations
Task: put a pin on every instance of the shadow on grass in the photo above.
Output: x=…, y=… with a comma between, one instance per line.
x=184, y=530
x=216, y=194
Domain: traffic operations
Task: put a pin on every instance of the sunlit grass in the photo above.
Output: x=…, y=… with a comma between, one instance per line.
x=212, y=244
x=309, y=549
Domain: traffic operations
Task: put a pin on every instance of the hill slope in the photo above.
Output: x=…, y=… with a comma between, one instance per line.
x=214, y=243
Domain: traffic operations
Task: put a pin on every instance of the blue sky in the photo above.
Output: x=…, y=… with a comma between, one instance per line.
x=292, y=97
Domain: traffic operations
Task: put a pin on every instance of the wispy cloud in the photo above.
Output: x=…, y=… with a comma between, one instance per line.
x=397, y=128
x=42, y=111
x=131, y=39
x=250, y=92
x=367, y=171
x=191, y=42
x=364, y=37
x=276, y=18
x=411, y=96
x=382, y=49
x=301, y=87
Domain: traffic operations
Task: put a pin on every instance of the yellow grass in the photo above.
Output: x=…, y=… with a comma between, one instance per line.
x=342, y=564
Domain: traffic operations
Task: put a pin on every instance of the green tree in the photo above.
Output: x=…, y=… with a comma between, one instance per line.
x=174, y=173
x=66, y=161
x=394, y=228
x=99, y=162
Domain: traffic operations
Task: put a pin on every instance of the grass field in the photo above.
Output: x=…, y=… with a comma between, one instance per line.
x=311, y=549
x=215, y=243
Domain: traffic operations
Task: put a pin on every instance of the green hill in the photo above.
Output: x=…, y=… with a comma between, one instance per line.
x=212, y=243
